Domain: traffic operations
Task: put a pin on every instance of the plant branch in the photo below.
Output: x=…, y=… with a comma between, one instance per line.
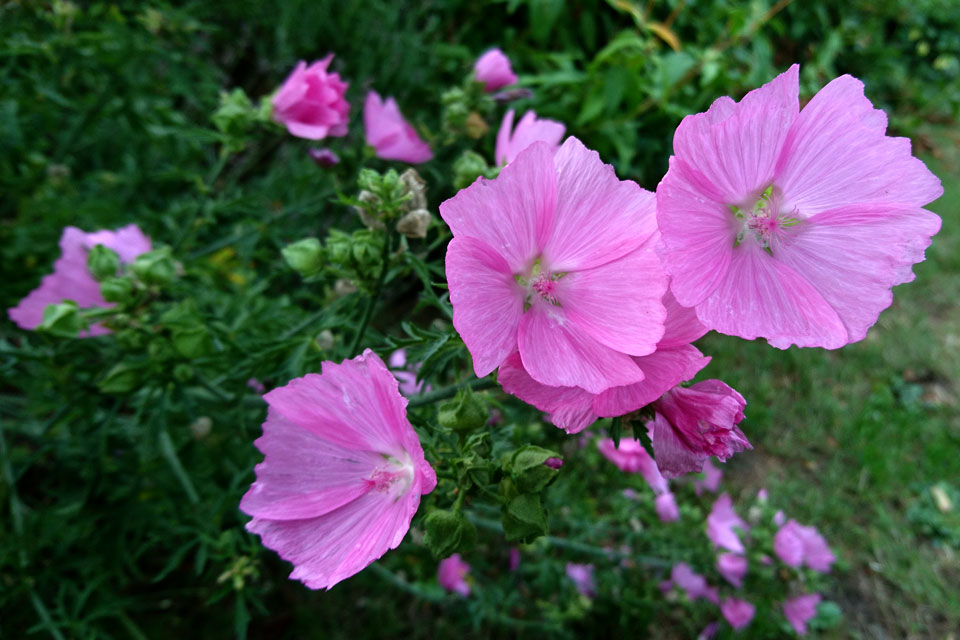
x=378, y=287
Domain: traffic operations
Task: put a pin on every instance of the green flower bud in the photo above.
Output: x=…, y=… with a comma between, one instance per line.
x=338, y=248
x=62, y=320
x=235, y=114
x=448, y=532
x=366, y=247
x=116, y=289
x=102, y=262
x=467, y=168
x=155, y=267
x=523, y=518
x=529, y=469
x=306, y=257
x=369, y=180
x=465, y=412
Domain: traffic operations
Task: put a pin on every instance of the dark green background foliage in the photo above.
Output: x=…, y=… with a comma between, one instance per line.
x=120, y=512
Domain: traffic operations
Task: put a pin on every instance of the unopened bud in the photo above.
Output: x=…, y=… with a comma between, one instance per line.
x=62, y=320
x=466, y=412
x=467, y=168
x=116, y=289
x=475, y=126
x=448, y=532
x=528, y=467
x=155, y=267
x=201, y=427
x=102, y=262
x=306, y=256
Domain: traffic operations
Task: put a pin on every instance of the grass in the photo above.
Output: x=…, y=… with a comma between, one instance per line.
x=848, y=440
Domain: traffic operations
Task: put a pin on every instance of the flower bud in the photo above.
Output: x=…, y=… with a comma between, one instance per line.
x=155, y=267
x=62, y=320
x=448, y=532
x=116, y=289
x=324, y=157
x=475, y=126
x=523, y=518
x=102, y=262
x=528, y=468
x=306, y=256
x=338, y=248
x=467, y=168
x=465, y=412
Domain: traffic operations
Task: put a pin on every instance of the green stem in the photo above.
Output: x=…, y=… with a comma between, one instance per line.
x=478, y=384
x=402, y=584
x=378, y=287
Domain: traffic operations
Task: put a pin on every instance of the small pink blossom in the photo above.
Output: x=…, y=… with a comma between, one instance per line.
x=582, y=577
x=389, y=134
x=553, y=265
x=732, y=567
x=256, y=385
x=793, y=225
x=311, y=102
x=631, y=457
x=342, y=474
x=796, y=545
x=514, y=558
x=709, y=631
x=692, y=424
x=762, y=496
x=712, y=475
x=779, y=518
x=71, y=280
x=800, y=610
x=406, y=374
x=493, y=70
x=530, y=129
x=452, y=573
x=691, y=582
x=666, y=506
x=739, y=613
x=722, y=524
x=554, y=463
x=323, y=157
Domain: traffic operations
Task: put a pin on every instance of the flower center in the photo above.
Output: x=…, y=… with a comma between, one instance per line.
x=540, y=284
x=394, y=475
x=764, y=222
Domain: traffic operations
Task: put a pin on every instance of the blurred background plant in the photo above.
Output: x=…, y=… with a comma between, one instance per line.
x=123, y=458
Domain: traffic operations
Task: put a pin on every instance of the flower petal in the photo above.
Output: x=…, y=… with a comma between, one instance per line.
x=570, y=408
x=663, y=370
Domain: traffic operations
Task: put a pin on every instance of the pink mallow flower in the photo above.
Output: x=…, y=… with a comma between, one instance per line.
x=71, y=280
x=511, y=141
x=582, y=577
x=452, y=573
x=554, y=261
x=712, y=475
x=793, y=225
x=721, y=525
x=666, y=505
x=574, y=409
x=800, y=610
x=691, y=424
x=493, y=70
x=406, y=374
x=343, y=471
x=797, y=545
x=311, y=102
x=389, y=134
x=691, y=582
x=732, y=567
x=739, y=613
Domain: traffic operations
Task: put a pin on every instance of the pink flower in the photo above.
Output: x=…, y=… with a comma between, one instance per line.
x=342, y=474
x=692, y=424
x=712, y=475
x=631, y=457
x=389, y=134
x=452, y=573
x=708, y=632
x=800, y=610
x=324, y=157
x=739, y=613
x=71, y=280
x=666, y=506
x=732, y=567
x=256, y=385
x=721, y=524
x=582, y=577
x=796, y=545
x=692, y=583
x=554, y=463
x=554, y=261
x=493, y=70
x=574, y=409
x=311, y=102
x=530, y=129
x=407, y=375
x=779, y=518
x=514, y=558
x=793, y=225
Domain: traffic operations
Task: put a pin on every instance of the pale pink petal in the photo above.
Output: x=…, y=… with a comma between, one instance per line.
x=512, y=214
x=599, y=217
x=556, y=353
x=681, y=326
x=493, y=70
x=631, y=457
x=732, y=567
x=762, y=297
x=788, y=544
x=452, y=573
x=739, y=613
x=712, y=475
x=694, y=584
x=666, y=506
x=570, y=408
x=530, y=129
x=487, y=302
x=388, y=132
x=800, y=610
x=723, y=523
x=736, y=147
x=582, y=577
x=853, y=256
x=837, y=154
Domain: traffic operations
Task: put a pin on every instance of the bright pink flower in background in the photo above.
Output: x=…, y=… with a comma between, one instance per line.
x=554, y=463
x=739, y=613
x=666, y=505
x=573, y=409
x=407, y=375
x=389, y=134
x=452, y=573
x=797, y=545
x=493, y=70
x=343, y=471
x=712, y=475
x=721, y=524
x=800, y=610
x=554, y=260
x=732, y=567
x=582, y=577
x=71, y=280
x=311, y=102
x=793, y=225
x=691, y=424
x=530, y=129
x=631, y=457
x=691, y=582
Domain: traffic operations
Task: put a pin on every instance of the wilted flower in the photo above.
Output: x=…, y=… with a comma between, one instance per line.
x=311, y=102
x=721, y=524
x=796, y=545
x=739, y=613
x=525, y=277
x=793, y=225
x=530, y=129
x=71, y=279
x=800, y=610
x=493, y=70
x=452, y=573
x=343, y=471
x=389, y=134
x=582, y=577
x=732, y=567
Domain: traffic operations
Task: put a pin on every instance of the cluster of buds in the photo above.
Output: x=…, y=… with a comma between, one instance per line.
x=403, y=196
